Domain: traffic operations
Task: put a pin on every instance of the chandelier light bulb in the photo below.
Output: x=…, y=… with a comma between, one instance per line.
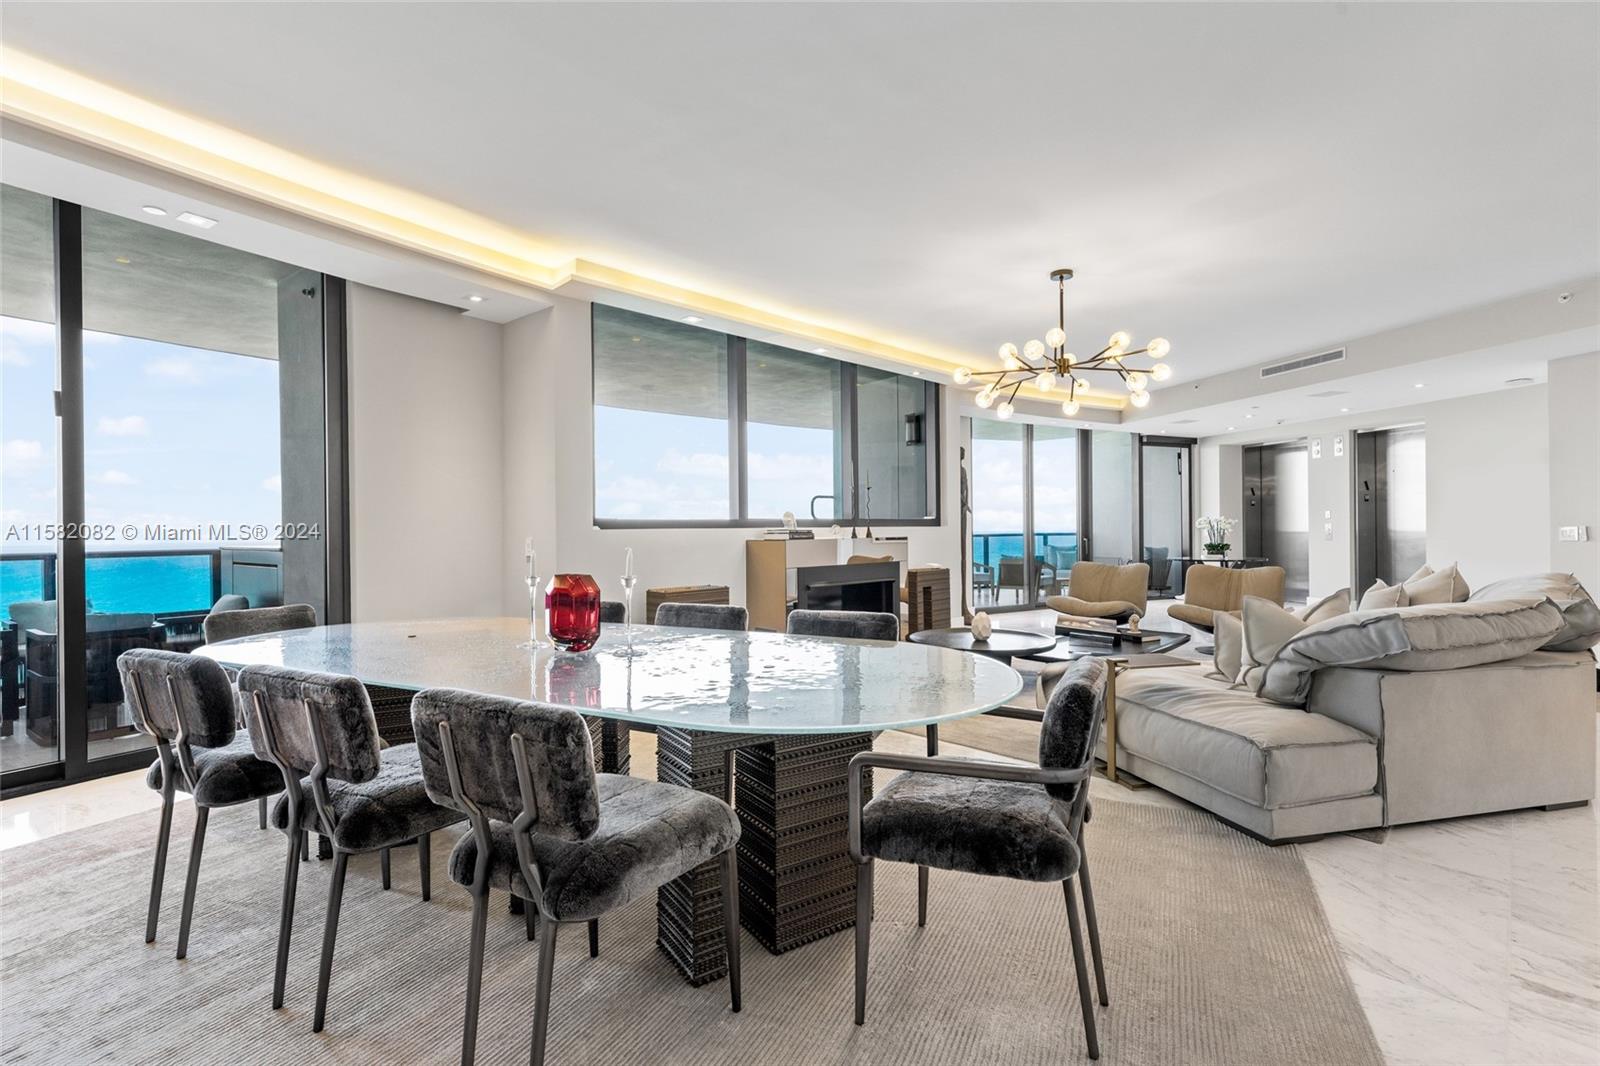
x=1083, y=384
x=1056, y=337
x=984, y=398
x=1033, y=349
x=1005, y=410
x=1046, y=381
x=1161, y=371
x=1070, y=408
x=1140, y=399
x=1136, y=381
x=1158, y=347
x=1120, y=340
x=961, y=376
x=1069, y=359
x=1008, y=352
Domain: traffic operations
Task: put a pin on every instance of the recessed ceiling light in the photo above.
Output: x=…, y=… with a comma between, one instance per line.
x=152, y=209
x=916, y=373
x=1249, y=415
x=1232, y=428
x=124, y=260
x=197, y=221
x=475, y=298
x=1344, y=410
x=693, y=320
x=820, y=351
x=1418, y=385
x=1564, y=298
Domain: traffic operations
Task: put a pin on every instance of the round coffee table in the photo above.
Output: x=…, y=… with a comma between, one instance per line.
x=1003, y=644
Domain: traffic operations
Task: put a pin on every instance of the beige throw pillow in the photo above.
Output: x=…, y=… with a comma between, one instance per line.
x=1227, y=634
x=1267, y=628
x=1435, y=586
x=1381, y=596
x=1330, y=606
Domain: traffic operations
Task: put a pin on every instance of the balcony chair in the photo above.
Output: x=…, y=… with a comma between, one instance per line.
x=1160, y=562
x=997, y=819
x=319, y=731
x=546, y=828
x=1209, y=589
x=1101, y=590
x=187, y=705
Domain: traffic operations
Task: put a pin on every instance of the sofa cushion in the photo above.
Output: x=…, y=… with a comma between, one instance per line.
x=1434, y=636
x=1228, y=647
x=1580, y=616
x=1253, y=750
x=1381, y=596
x=1267, y=627
x=1330, y=606
x=1435, y=586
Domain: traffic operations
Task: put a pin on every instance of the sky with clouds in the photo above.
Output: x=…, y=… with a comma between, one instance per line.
x=172, y=435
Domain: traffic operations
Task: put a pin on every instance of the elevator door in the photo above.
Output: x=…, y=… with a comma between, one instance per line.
x=1277, y=512
x=1391, y=505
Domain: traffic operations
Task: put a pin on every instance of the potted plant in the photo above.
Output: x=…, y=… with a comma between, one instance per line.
x=1214, y=533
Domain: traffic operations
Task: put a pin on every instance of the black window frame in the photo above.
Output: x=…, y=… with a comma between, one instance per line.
x=738, y=484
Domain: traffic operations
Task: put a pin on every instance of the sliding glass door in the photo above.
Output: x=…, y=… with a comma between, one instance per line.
x=167, y=445
x=1164, y=508
x=1001, y=518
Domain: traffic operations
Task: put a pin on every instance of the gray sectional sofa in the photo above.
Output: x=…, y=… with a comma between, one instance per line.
x=1379, y=718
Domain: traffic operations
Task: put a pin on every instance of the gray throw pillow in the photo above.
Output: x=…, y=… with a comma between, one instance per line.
x=1227, y=638
x=1267, y=627
x=1580, y=616
x=1435, y=586
x=1435, y=636
x=1330, y=606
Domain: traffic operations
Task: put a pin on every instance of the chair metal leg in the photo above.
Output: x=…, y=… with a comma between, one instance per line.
x=480, y=921
x=261, y=813
x=863, y=935
x=190, y=882
x=330, y=930
x=291, y=879
x=541, y=992
x=1094, y=927
x=162, y=836
x=383, y=863
x=730, y=923
x=1085, y=1000
x=425, y=865
x=594, y=938
x=530, y=920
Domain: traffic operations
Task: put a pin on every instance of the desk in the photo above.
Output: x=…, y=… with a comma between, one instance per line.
x=781, y=714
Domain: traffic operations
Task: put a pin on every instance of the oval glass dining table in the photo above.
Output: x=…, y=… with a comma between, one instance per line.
x=782, y=714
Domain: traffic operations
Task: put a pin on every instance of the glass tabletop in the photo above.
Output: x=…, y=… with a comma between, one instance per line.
x=686, y=678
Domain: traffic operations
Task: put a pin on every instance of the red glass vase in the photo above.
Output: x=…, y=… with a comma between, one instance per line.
x=572, y=605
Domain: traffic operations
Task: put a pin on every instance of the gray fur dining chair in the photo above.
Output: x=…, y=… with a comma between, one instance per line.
x=186, y=704
x=854, y=625
x=319, y=731
x=546, y=828
x=992, y=818
x=703, y=616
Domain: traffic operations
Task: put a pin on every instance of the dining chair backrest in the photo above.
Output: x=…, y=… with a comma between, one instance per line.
x=509, y=759
x=860, y=625
x=612, y=613
x=311, y=723
x=1072, y=723
x=253, y=621
x=703, y=616
x=178, y=698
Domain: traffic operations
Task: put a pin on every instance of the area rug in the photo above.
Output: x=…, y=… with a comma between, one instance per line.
x=1217, y=951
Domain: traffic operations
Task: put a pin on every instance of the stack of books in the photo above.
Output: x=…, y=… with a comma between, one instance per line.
x=791, y=534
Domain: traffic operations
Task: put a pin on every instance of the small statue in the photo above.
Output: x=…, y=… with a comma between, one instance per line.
x=982, y=627
x=1133, y=624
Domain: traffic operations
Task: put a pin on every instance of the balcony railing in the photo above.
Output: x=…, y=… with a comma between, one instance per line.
x=1059, y=550
x=153, y=581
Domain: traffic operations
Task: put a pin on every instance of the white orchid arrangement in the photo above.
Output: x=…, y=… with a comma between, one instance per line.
x=1216, y=532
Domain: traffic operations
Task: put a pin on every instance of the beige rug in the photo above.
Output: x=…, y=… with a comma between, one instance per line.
x=1217, y=952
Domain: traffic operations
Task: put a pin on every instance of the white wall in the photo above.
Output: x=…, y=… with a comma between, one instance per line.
x=549, y=478
x=1574, y=412
x=425, y=459
x=1488, y=484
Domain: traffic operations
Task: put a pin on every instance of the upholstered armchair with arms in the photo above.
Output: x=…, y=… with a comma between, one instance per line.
x=1210, y=589
x=1101, y=590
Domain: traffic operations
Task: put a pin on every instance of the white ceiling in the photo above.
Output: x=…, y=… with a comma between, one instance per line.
x=1247, y=180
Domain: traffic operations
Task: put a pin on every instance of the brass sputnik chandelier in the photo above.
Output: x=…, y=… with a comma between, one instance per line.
x=1057, y=366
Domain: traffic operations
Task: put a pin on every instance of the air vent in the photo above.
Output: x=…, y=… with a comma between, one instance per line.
x=1304, y=363
x=1184, y=421
x=1327, y=393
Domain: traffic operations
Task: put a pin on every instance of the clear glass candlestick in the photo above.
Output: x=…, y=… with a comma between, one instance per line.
x=538, y=626
x=629, y=580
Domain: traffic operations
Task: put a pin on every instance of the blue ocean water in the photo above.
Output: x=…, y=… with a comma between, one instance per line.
x=148, y=584
x=990, y=548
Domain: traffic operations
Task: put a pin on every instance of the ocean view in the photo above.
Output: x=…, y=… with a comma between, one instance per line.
x=148, y=584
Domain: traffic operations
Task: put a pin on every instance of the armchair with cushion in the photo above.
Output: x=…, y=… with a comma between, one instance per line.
x=1100, y=590
x=1210, y=589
